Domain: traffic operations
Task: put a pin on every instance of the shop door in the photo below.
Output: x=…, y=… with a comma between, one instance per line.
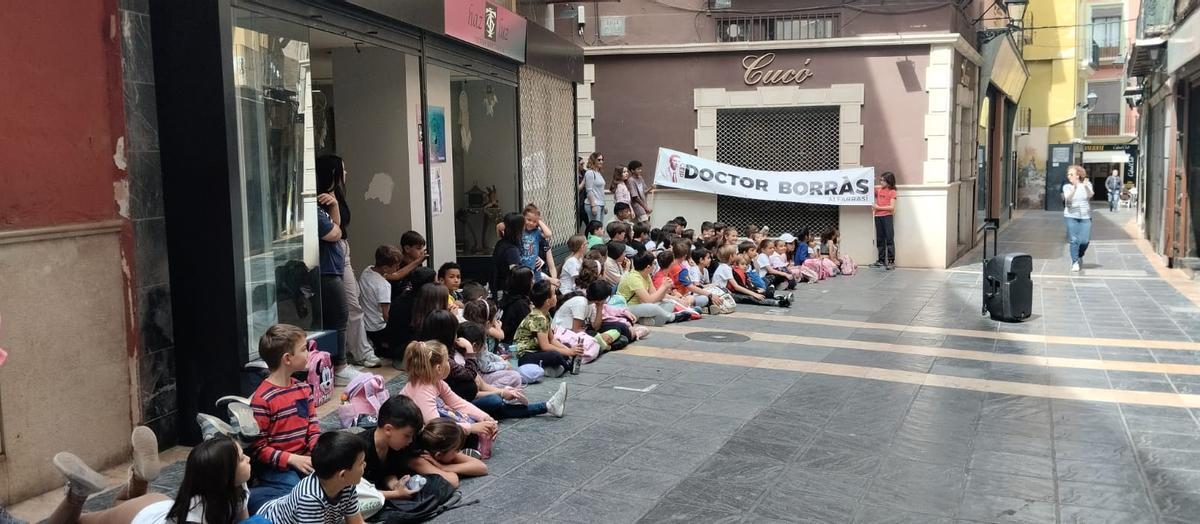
x=1155, y=187
x=1058, y=160
x=1191, y=166
x=778, y=139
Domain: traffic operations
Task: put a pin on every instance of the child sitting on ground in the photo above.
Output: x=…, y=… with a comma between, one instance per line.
x=450, y=275
x=698, y=267
x=577, y=247
x=494, y=365
x=515, y=304
x=285, y=414
x=389, y=447
x=679, y=271
x=624, y=214
x=581, y=312
x=749, y=252
x=509, y=401
x=440, y=446
x=375, y=294
x=846, y=265
x=428, y=365
x=742, y=275
x=776, y=276
x=616, y=264
x=645, y=300
x=724, y=277
x=328, y=494
x=412, y=247
x=594, y=231
x=207, y=495
x=535, y=339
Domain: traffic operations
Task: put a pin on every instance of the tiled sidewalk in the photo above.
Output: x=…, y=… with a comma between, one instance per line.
x=883, y=397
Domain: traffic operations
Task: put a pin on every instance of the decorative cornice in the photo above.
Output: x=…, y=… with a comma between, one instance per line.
x=103, y=227
x=960, y=44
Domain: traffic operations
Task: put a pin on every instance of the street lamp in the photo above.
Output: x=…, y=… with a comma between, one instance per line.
x=1091, y=102
x=1014, y=10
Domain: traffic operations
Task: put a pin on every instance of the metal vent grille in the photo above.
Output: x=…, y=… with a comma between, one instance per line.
x=778, y=139
x=548, y=150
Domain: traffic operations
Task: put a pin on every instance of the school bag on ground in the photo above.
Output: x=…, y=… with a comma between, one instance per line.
x=435, y=498
x=848, y=265
x=320, y=376
x=362, y=399
x=721, y=301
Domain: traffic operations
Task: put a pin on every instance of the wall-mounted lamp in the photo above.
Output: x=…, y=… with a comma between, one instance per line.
x=1014, y=10
x=1091, y=102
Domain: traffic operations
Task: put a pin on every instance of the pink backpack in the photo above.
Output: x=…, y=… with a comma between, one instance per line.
x=848, y=265
x=320, y=376
x=363, y=396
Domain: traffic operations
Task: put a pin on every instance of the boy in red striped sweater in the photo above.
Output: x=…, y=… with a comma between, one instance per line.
x=285, y=413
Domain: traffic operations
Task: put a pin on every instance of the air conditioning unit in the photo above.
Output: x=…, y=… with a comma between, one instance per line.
x=720, y=4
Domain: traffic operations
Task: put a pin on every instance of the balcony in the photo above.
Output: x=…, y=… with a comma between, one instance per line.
x=1103, y=55
x=777, y=27
x=1155, y=18
x=1103, y=124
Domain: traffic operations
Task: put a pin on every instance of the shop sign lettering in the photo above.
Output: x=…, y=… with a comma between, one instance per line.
x=758, y=71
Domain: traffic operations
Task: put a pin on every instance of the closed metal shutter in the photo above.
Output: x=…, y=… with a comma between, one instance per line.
x=778, y=139
x=548, y=150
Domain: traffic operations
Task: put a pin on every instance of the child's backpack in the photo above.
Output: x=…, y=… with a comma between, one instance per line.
x=435, y=498
x=848, y=265
x=320, y=376
x=721, y=301
x=362, y=398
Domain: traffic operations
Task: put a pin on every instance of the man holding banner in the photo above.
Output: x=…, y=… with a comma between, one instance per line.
x=852, y=187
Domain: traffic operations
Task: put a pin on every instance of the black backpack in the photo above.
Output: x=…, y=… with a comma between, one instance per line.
x=437, y=497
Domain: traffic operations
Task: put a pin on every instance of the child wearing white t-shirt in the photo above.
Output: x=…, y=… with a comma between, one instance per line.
x=578, y=247
x=375, y=293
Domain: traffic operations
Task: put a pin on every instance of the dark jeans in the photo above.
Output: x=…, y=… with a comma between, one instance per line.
x=496, y=407
x=272, y=484
x=885, y=239
x=379, y=341
x=334, y=313
x=545, y=359
x=747, y=299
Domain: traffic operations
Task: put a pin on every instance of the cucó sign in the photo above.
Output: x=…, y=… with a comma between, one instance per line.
x=757, y=72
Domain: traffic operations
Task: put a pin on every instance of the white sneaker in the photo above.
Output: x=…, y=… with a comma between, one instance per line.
x=1075, y=267
x=369, y=361
x=343, y=377
x=557, y=404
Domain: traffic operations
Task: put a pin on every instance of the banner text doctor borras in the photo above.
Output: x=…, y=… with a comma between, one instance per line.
x=851, y=187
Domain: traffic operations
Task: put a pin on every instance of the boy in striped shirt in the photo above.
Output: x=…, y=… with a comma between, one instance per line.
x=328, y=496
x=285, y=413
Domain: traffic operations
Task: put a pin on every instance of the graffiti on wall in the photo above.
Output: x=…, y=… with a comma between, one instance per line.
x=1031, y=169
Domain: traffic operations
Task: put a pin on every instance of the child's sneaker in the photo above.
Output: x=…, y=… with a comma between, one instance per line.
x=640, y=332
x=473, y=453
x=557, y=404
x=82, y=481
x=145, y=454
x=211, y=426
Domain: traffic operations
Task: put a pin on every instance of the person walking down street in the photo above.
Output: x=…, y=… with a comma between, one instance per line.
x=593, y=186
x=885, y=209
x=638, y=192
x=1077, y=213
x=1113, y=185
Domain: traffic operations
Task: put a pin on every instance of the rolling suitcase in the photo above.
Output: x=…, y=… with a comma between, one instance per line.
x=1007, y=285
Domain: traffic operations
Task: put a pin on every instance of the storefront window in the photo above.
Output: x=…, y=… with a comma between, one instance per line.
x=274, y=126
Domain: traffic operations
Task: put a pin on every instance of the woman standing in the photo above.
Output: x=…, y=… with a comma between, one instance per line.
x=885, y=208
x=331, y=172
x=1077, y=213
x=638, y=192
x=593, y=185
x=332, y=248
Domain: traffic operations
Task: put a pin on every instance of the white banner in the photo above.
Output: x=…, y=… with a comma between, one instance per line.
x=844, y=187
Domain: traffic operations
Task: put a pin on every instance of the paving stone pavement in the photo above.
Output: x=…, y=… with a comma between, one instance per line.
x=652, y=435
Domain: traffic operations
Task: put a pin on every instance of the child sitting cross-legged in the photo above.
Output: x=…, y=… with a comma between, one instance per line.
x=428, y=365
x=535, y=339
x=581, y=312
x=644, y=299
x=679, y=271
x=285, y=413
x=328, y=494
x=494, y=365
x=499, y=402
x=725, y=277
x=440, y=451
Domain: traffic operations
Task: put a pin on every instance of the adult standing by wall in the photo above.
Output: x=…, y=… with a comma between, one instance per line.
x=1077, y=212
x=331, y=172
x=333, y=267
x=1113, y=185
x=885, y=209
x=638, y=192
x=593, y=185
x=581, y=216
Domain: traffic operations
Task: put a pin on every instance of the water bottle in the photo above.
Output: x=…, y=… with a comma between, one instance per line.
x=415, y=483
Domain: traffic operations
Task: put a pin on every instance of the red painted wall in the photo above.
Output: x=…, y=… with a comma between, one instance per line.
x=60, y=112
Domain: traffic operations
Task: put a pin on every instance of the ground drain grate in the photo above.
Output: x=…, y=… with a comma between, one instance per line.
x=717, y=336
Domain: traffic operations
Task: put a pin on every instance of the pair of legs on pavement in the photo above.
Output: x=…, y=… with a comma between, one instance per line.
x=82, y=482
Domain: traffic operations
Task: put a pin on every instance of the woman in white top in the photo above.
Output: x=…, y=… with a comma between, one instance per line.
x=1077, y=212
x=213, y=490
x=593, y=187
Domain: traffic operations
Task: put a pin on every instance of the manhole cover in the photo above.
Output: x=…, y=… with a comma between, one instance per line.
x=716, y=336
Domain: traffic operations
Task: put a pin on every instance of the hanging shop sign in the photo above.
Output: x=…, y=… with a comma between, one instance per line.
x=758, y=71
x=852, y=187
x=487, y=25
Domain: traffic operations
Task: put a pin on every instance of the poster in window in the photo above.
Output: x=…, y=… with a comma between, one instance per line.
x=437, y=134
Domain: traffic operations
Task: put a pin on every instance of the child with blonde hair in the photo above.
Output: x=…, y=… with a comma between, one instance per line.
x=428, y=365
